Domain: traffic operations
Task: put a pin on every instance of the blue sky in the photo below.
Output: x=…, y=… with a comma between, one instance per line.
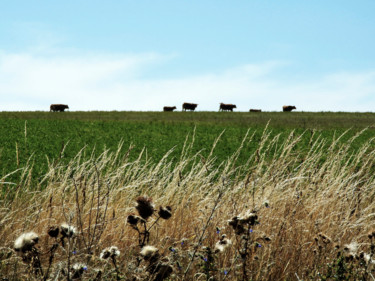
x=142, y=55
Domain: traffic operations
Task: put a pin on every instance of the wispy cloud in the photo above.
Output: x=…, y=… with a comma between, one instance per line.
x=29, y=81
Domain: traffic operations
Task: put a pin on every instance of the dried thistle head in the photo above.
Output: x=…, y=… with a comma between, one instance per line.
x=249, y=217
x=67, y=230
x=110, y=252
x=133, y=219
x=351, y=250
x=26, y=241
x=165, y=213
x=145, y=207
x=53, y=231
x=78, y=270
x=222, y=244
x=237, y=225
x=150, y=253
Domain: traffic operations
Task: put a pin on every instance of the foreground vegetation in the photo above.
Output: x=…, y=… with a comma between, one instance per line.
x=297, y=206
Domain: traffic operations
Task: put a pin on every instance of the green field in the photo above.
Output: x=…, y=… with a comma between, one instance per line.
x=39, y=138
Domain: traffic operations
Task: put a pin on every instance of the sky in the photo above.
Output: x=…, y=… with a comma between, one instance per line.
x=141, y=55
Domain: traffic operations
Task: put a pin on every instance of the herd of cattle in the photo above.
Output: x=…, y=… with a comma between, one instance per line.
x=223, y=107
x=185, y=106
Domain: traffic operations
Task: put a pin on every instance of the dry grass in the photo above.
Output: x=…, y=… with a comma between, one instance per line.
x=305, y=206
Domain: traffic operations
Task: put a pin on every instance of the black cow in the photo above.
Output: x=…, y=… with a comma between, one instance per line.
x=255, y=110
x=287, y=108
x=227, y=107
x=58, y=107
x=189, y=106
x=169, y=108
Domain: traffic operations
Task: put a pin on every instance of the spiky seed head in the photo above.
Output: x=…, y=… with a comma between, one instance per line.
x=165, y=213
x=26, y=241
x=112, y=252
x=67, y=230
x=149, y=252
x=53, y=231
x=145, y=207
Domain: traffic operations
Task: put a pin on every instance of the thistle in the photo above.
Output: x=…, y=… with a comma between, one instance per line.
x=53, y=231
x=67, y=230
x=150, y=253
x=78, y=270
x=165, y=213
x=145, y=207
x=26, y=241
x=222, y=244
x=111, y=252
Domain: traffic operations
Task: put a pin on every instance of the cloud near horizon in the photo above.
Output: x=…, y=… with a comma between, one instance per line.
x=117, y=82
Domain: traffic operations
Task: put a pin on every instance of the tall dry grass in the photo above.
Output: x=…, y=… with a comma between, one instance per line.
x=308, y=206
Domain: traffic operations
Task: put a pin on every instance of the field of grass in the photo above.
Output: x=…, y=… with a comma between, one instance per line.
x=42, y=138
x=298, y=194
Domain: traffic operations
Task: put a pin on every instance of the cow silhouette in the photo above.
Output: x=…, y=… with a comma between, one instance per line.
x=189, y=106
x=58, y=107
x=288, y=108
x=227, y=107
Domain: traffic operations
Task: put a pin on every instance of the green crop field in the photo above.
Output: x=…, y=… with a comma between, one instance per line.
x=40, y=138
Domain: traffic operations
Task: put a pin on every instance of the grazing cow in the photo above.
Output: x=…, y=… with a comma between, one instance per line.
x=169, y=108
x=227, y=107
x=189, y=106
x=58, y=107
x=255, y=110
x=287, y=108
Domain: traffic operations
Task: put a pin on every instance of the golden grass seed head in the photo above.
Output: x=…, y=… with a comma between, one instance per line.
x=26, y=241
x=145, y=207
x=165, y=213
x=67, y=230
x=53, y=231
